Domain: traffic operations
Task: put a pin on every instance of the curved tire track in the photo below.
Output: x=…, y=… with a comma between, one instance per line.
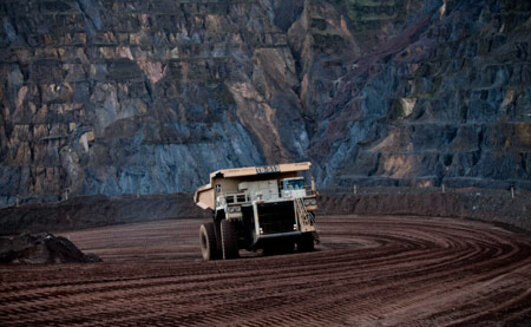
x=370, y=271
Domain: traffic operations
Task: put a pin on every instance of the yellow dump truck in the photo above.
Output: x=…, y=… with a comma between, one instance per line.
x=265, y=207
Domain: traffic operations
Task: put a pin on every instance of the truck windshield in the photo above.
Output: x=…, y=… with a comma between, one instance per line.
x=297, y=184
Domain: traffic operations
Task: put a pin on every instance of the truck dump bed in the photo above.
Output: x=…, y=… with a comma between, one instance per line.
x=227, y=180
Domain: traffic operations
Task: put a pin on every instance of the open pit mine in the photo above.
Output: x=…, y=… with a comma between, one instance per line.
x=265, y=163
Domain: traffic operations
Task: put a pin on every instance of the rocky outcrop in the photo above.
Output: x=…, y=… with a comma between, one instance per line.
x=41, y=248
x=443, y=100
x=145, y=97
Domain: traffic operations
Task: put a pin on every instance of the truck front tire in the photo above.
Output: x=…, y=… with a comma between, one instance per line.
x=207, y=239
x=229, y=239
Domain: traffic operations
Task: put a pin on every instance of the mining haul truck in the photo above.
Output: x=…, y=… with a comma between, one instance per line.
x=267, y=208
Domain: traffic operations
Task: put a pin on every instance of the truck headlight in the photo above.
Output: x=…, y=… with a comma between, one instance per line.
x=313, y=202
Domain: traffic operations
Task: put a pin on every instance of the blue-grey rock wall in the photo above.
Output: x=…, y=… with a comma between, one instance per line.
x=148, y=97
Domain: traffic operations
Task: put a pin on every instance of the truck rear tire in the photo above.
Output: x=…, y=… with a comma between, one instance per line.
x=207, y=239
x=305, y=243
x=229, y=239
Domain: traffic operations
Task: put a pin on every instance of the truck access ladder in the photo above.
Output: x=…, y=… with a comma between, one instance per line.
x=303, y=214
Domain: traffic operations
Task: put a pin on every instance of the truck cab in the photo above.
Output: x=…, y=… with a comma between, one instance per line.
x=253, y=208
x=292, y=187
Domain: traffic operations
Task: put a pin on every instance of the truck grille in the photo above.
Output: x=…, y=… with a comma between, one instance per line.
x=276, y=217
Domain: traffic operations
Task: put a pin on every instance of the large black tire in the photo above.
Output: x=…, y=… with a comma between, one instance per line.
x=229, y=239
x=207, y=239
x=305, y=243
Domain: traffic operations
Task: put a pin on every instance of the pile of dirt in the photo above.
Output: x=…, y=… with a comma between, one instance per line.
x=41, y=248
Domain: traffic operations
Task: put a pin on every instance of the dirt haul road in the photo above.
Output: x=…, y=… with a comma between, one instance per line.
x=370, y=271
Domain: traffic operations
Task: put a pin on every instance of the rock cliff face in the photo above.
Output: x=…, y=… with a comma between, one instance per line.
x=141, y=97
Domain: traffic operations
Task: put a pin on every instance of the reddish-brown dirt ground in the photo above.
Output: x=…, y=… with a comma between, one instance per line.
x=367, y=271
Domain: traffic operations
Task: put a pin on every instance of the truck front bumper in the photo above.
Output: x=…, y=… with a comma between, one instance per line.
x=279, y=235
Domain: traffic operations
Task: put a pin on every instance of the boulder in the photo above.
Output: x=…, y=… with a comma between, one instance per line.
x=41, y=248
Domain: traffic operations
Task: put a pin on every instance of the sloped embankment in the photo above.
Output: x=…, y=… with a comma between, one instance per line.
x=94, y=211
x=496, y=206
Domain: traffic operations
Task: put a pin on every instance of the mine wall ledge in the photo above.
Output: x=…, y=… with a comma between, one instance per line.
x=507, y=208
